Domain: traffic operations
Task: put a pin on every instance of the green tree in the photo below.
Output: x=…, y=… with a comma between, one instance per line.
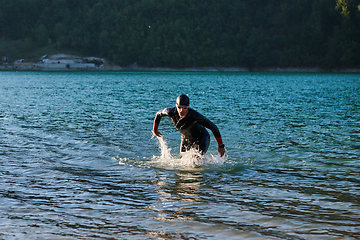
x=182, y=33
x=27, y=45
x=41, y=35
x=60, y=30
x=348, y=7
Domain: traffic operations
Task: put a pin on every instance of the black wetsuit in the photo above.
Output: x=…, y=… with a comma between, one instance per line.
x=191, y=127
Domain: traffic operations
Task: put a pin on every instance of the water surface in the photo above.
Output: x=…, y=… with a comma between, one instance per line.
x=78, y=159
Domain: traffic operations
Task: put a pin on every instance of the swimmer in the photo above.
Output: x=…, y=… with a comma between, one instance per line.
x=191, y=125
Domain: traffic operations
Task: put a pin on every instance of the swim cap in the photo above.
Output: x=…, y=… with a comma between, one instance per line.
x=183, y=100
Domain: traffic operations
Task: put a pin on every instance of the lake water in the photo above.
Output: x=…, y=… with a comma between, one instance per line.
x=78, y=159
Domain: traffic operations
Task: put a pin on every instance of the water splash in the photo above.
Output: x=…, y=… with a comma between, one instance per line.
x=165, y=150
x=189, y=160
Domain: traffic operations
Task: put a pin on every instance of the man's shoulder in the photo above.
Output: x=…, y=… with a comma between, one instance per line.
x=195, y=114
x=171, y=109
x=167, y=111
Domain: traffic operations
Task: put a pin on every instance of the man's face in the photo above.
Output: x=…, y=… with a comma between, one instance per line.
x=182, y=110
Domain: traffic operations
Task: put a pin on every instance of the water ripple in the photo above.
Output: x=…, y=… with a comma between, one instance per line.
x=78, y=160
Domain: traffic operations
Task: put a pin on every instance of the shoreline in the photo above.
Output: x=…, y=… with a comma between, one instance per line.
x=115, y=68
x=62, y=62
x=72, y=63
x=242, y=69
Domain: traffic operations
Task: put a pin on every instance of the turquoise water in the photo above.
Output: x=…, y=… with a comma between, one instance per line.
x=78, y=159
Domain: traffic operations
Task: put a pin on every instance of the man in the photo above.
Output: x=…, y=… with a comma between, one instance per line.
x=191, y=125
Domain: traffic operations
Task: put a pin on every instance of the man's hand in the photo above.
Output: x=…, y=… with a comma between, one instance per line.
x=221, y=151
x=157, y=133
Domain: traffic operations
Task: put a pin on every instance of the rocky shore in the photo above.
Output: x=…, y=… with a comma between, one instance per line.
x=64, y=62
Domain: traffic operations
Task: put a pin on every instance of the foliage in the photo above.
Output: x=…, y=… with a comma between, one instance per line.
x=193, y=33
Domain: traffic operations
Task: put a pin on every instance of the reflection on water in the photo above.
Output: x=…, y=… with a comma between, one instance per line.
x=184, y=188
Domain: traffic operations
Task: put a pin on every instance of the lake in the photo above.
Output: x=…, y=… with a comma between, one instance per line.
x=79, y=161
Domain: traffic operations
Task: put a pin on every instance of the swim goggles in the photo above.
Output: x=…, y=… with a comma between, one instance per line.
x=182, y=107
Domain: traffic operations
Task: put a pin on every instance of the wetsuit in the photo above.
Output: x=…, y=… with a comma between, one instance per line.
x=192, y=129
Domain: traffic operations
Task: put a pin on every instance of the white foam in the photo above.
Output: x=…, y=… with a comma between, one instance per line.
x=188, y=160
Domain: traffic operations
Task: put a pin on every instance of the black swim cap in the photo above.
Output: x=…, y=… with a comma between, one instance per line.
x=183, y=100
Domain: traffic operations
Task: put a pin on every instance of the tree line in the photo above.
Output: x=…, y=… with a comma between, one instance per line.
x=193, y=33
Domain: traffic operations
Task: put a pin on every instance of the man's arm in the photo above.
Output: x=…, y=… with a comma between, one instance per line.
x=156, y=131
x=157, y=119
x=221, y=146
x=214, y=129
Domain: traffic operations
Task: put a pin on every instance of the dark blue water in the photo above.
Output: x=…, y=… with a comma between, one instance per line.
x=78, y=159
